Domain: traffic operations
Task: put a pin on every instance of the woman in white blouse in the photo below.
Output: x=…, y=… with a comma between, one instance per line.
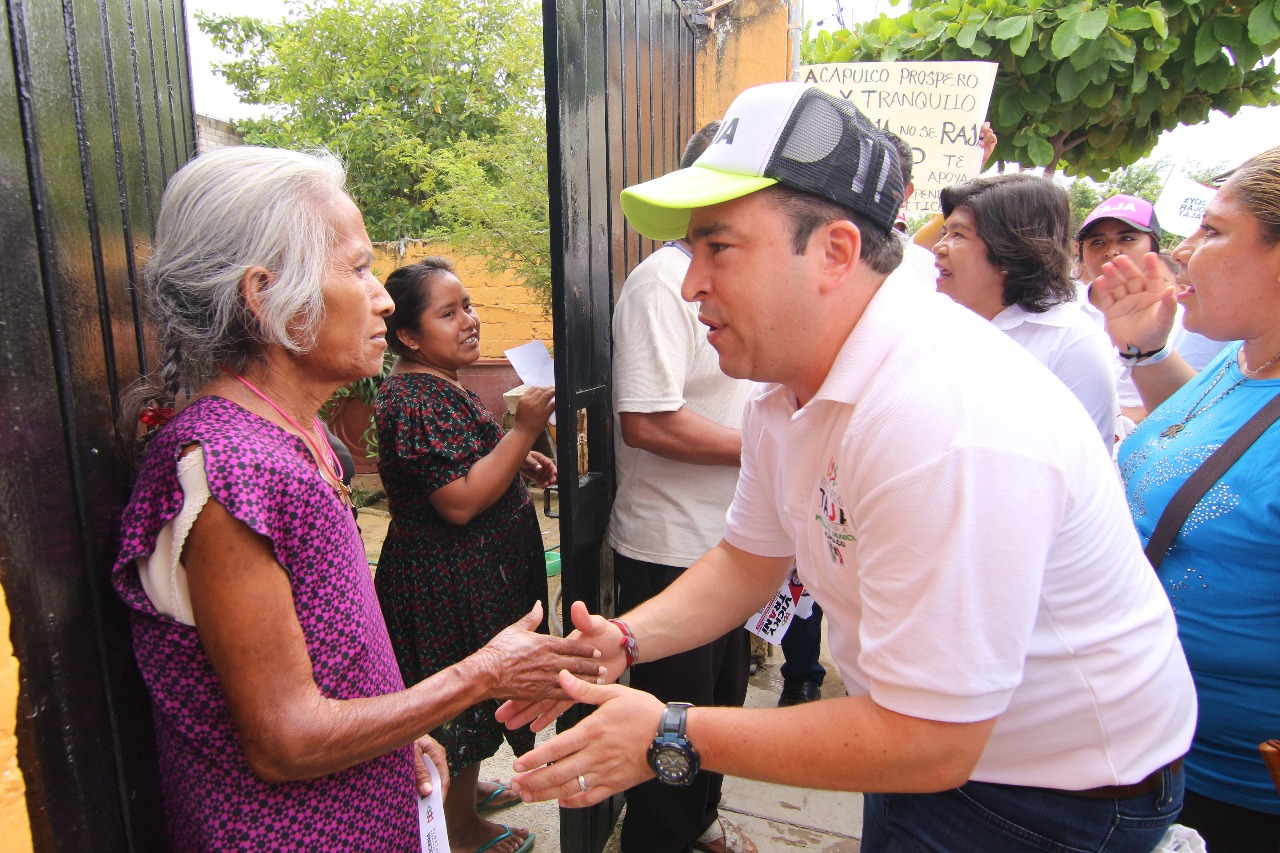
x=1005, y=254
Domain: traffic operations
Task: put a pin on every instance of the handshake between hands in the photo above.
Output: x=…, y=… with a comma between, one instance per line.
x=605, y=753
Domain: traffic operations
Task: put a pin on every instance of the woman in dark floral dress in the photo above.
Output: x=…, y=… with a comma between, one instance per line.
x=463, y=555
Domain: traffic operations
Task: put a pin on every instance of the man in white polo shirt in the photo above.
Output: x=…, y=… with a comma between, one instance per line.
x=1014, y=673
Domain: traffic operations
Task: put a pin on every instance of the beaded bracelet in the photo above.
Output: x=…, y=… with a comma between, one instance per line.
x=628, y=643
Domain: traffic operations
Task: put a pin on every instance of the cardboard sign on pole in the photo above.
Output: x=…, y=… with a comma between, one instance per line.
x=936, y=107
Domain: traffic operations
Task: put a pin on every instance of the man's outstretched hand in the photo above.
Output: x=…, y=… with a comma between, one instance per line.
x=605, y=751
x=597, y=631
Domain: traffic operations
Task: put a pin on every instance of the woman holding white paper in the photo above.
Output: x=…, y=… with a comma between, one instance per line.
x=463, y=552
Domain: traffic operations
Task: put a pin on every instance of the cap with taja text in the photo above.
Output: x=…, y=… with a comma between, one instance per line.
x=791, y=134
x=1135, y=212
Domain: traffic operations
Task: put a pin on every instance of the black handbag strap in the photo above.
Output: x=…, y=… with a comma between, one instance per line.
x=1210, y=472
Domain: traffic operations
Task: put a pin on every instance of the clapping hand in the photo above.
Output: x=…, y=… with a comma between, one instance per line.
x=1140, y=303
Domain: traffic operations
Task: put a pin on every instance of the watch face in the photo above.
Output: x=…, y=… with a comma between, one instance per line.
x=671, y=764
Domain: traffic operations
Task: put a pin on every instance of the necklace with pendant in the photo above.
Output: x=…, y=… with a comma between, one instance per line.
x=1173, y=429
x=334, y=476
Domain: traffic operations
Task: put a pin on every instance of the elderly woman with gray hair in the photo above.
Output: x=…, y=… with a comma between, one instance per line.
x=281, y=718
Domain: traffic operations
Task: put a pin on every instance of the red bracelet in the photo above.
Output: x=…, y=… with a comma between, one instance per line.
x=628, y=642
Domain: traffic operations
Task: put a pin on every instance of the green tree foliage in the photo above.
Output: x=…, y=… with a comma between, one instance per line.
x=392, y=87
x=493, y=195
x=1089, y=85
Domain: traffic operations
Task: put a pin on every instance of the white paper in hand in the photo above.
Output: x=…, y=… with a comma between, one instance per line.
x=435, y=837
x=533, y=364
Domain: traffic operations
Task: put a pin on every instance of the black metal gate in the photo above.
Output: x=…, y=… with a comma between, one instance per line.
x=95, y=115
x=619, y=108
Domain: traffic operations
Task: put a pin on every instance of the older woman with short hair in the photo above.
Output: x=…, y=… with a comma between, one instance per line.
x=1005, y=254
x=281, y=718
x=1220, y=570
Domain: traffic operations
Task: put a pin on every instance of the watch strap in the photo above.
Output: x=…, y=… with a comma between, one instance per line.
x=674, y=719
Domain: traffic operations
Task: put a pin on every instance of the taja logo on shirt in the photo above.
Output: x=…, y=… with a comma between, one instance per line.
x=833, y=517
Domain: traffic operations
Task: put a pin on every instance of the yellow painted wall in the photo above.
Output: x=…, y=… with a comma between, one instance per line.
x=510, y=313
x=749, y=44
x=14, y=826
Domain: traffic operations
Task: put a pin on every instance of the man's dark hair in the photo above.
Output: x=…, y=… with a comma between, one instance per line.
x=698, y=143
x=1024, y=221
x=880, y=251
x=906, y=157
x=410, y=289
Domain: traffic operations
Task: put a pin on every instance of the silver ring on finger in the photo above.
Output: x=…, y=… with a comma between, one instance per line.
x=582, y=783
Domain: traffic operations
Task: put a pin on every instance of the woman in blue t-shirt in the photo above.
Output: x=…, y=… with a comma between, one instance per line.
x=1222, y=572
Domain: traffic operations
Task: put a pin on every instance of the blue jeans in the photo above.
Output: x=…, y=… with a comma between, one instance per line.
x=981, y=817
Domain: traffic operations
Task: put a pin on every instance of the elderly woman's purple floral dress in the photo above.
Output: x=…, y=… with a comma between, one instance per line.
x=266, y=478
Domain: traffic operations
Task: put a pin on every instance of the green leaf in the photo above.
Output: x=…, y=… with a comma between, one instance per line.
x=1009, y=28
x=1019, y=43
x=1263, y=26
x=1213, y=77
x=981, y=47
x=1089, y=53
x=1070, y=83
x=1247, y=54
x=1035, y=101
x=1229, y=31
x=967, y=35
x=1066, y=13
x=1040, y=151
x=1098, y=96
x=1033, y=63
x=1133, y=18
x=1117, y=47
x=1140, y=77
x=1091, y=24
x=1065, y=40
x=1206, y=46
x=1009, y=110
x=1158, y=21
x=844, y=54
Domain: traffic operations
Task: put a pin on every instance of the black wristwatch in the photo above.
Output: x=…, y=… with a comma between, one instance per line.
x=673, y=759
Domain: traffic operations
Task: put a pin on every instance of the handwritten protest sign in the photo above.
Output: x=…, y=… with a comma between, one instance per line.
x=1181, y=204
x=936, y=107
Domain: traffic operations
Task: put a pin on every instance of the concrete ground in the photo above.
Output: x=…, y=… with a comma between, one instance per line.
x=779, y=819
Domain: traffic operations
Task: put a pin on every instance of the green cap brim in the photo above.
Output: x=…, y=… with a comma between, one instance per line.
x=659, y=209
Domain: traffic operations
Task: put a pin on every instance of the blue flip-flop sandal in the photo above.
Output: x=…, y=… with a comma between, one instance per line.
x=507, y=833
x=488, y=804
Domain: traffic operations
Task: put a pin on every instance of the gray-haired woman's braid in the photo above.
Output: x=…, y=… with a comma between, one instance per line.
x=169, y=374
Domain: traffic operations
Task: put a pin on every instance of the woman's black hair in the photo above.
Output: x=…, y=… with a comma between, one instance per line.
x=1024, y=221
x=410, y=289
